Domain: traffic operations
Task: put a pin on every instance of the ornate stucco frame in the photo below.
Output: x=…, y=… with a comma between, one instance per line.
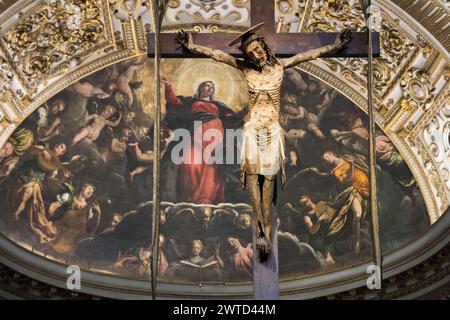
x=405, y=126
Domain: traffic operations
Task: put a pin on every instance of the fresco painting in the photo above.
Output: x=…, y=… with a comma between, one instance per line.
x=76, y=177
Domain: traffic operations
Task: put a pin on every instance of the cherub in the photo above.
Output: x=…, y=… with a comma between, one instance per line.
x=97, y=123
x=122, y=82
x=148, y=156
x=299, y=115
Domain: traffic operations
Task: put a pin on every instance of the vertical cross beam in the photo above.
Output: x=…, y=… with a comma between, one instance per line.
x=265, y=275
x=263, y=11
x=373, y=197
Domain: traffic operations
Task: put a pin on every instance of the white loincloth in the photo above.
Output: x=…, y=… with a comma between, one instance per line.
x=262, y=150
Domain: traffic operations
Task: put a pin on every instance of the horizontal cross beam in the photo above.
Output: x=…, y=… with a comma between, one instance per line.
x=282, y=44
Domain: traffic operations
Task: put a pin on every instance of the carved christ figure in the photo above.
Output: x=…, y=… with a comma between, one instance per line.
x=262, y=154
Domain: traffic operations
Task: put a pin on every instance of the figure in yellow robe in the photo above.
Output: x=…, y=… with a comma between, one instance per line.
x=352, y=201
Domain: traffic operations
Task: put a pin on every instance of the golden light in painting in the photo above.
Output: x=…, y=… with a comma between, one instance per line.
x=186, y=75
x=230, y=87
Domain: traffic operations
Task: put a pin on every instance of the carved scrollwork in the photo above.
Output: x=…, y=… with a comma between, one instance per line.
x=202, y=15
x=432, y=139
x=7, y=111
x=397, y=50
x=6, y=76
x=417, y=89
x=332, y=16
x=53, y=38
x=288, y=15
x=174, y=3
x=207, y=5
x=124, y=9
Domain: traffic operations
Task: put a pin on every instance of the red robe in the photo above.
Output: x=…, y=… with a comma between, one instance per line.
x=200, y=183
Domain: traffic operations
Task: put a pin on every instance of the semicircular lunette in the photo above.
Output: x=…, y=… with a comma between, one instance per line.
x=76, y=178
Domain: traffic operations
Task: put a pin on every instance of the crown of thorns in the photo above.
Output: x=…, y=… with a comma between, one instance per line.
x=253, y=37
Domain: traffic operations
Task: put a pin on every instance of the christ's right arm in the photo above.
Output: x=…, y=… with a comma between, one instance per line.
x=185, y=39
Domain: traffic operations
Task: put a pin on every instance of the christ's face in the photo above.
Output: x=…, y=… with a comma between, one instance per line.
x=207, y=90
x=256, y=53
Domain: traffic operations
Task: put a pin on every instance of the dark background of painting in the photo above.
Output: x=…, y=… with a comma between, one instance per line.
x=403, y=216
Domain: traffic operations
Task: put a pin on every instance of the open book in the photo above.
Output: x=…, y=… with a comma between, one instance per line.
x=207, y=270
x=210, y=262
x=323, y=208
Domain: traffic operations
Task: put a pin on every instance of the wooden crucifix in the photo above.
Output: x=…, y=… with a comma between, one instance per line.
x=263, y=145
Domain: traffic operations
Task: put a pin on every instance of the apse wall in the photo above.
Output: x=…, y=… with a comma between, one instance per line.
x=76, y=107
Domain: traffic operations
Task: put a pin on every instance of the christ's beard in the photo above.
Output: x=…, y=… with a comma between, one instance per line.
x=260, y=64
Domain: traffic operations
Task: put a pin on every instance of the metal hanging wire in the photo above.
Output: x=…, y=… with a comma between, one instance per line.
x=367, y=8
x=159, y=8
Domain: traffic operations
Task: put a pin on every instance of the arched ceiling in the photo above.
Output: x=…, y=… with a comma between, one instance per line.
x=39, y=58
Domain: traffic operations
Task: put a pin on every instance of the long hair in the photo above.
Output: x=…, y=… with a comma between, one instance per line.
x=259, y=38
x=197, y=94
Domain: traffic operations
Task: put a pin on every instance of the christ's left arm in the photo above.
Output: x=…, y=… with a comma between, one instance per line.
x=341, y=41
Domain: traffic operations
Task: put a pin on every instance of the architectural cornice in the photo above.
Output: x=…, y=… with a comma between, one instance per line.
x=433, y=15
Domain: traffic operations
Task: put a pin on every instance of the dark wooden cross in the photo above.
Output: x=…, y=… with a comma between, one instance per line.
x=265, y=275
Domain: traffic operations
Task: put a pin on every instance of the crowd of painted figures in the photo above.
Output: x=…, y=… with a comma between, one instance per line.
x=76, y=181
